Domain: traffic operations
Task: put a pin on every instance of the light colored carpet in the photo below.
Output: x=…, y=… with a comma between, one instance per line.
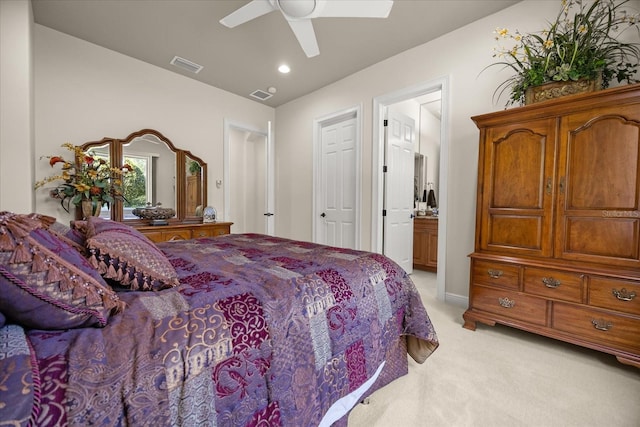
x=499, y=376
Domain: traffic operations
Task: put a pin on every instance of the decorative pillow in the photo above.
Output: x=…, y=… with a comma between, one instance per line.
x=72, y=236
x=45, y=283
x=122, y=253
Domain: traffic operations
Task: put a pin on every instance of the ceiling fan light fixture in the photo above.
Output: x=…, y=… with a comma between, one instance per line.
x=297, y=8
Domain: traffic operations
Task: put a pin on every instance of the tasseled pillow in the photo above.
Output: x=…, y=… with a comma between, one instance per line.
x=125, y=255
x=45, y=282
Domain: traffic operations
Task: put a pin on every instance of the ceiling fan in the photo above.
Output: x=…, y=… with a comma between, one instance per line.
x=299, y=14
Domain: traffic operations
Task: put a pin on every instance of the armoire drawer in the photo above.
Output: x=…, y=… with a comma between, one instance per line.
x=598, y=326
x=553, y=284
x=620, y=295
x=496, y=274
x=510, y=304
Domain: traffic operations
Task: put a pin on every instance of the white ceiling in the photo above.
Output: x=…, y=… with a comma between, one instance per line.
x=244, y=59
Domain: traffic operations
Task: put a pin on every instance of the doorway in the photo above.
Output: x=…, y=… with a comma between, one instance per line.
x=380, y=106
x=248, y=178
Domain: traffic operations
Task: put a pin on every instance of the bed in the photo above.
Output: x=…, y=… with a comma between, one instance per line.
x=102, y=327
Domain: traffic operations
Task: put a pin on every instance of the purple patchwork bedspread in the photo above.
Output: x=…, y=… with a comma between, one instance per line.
x=262, y=331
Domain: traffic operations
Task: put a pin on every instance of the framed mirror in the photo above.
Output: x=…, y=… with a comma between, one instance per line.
x=162, y=176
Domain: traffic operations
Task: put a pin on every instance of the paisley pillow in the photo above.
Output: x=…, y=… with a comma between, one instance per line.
x=123, y=254
x=46, y=283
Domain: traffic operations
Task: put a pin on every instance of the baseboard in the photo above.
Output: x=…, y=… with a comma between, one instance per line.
x=455, y=299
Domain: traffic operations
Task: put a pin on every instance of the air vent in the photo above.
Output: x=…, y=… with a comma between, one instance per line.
x=261, y=95
x=185, y=64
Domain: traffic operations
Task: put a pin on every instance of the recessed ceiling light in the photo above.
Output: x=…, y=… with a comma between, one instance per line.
x=284, y=69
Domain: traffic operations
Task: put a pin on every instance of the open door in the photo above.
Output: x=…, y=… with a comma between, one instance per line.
x=398, y=189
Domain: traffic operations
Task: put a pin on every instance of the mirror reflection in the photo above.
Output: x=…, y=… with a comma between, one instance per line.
x=152, y=180
x=194, y=187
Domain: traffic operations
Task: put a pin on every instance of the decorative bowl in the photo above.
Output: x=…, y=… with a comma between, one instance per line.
x=154, y=212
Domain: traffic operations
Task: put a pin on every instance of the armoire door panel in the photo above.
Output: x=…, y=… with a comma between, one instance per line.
x=516, y=233
x=518, y=175
x=518, y=188
x=613, y=238
x=606, y=151
x=598, y=209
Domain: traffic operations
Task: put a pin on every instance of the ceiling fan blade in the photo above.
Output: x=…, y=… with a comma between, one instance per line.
x=354, y=8
x=303, y=29
x=247, y=12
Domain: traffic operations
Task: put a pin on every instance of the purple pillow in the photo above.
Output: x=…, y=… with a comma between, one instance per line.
x=45, y=283
x=123, y=254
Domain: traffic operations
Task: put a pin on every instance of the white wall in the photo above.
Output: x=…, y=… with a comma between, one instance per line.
x=84, y=92
x=461, y=55
x=16, y=106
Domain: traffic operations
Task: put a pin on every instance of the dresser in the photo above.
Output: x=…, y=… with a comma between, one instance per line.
x=557, y=242
x=164, y=233
x=425, y=243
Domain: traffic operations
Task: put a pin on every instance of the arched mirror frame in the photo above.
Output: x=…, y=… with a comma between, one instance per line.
x=116, y=159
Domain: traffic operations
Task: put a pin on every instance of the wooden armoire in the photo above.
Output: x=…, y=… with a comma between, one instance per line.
x=557, y=243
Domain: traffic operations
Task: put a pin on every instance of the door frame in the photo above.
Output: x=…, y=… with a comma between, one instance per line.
x=226, y=183
x=318, y=124
x=380, y=103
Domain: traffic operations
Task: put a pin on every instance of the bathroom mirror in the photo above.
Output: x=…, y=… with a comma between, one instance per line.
x=162, y=176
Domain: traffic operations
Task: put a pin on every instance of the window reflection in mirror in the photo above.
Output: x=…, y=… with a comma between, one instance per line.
x=153, y=177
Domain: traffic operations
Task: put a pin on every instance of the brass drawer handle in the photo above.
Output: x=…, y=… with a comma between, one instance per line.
x=601, y=324
x=550, y=282
x=623, y=294
x=506, y=302
x=494, y=274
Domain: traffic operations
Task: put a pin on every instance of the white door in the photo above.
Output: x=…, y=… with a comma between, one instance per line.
x=249, y=181
x=398, y=190
x=338, y=195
